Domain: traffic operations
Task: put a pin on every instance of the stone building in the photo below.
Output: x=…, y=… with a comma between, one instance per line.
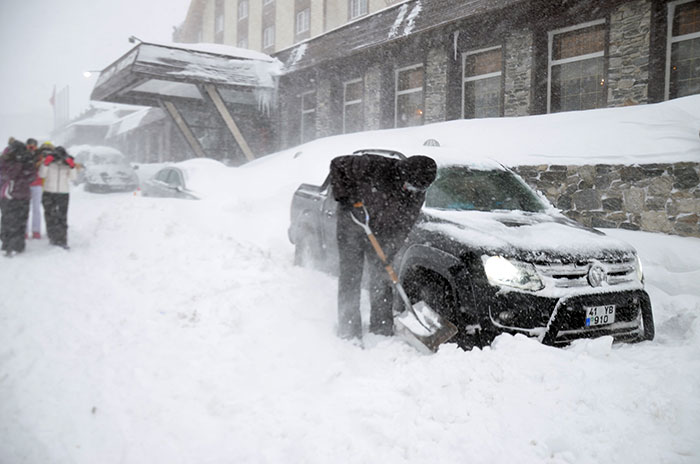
x=419, y=62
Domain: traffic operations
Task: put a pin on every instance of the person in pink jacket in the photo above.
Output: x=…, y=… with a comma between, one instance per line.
x=35, y=189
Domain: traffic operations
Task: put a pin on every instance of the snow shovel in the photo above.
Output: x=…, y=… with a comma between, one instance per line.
x=419, y=325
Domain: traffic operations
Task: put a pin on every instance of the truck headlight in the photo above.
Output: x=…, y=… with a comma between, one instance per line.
x=638, y=268
x=511, y=273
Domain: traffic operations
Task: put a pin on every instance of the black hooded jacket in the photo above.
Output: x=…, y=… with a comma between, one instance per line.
x=378, y=182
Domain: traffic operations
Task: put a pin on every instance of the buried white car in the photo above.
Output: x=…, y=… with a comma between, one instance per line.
x=193, y=179
x=105, y=169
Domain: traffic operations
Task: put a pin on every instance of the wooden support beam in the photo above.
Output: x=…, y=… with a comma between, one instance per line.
x=184, y=128
x=228, y=119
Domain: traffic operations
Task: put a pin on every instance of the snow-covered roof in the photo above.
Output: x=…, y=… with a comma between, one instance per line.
x=218, y=49
x=139, y=118
x=151, y=71
x=103, y=115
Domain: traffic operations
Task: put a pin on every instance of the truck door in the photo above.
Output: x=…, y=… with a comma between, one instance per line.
x=329, y=224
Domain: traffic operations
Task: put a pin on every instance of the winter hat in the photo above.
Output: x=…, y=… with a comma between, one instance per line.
x=418, y=170
x=48, y=145
x=61, y=152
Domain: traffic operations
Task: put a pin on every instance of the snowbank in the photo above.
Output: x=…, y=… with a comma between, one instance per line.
x=180, y=332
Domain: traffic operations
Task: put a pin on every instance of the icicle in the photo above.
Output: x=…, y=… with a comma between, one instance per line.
x=455, y=38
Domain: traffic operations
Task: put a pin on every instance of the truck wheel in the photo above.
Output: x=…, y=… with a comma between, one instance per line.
x=437, y=293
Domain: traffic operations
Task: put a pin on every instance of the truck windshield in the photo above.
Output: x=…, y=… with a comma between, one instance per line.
x=463, y=188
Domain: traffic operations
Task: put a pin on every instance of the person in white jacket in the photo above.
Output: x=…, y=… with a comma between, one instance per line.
x=57, y=170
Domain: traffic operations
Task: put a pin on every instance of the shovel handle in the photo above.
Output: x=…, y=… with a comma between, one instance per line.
x=389, y=268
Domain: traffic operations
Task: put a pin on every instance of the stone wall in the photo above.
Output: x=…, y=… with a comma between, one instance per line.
x=650, y=197
x=628, y=63
x=373, y=98
x=324, y=111
x=436, y=86
x=518, y=73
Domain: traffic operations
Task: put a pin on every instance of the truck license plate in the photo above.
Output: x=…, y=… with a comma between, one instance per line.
x=599, y=315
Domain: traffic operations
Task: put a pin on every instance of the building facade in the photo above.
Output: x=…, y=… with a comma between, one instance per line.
x=269, y=25
x=354, y=65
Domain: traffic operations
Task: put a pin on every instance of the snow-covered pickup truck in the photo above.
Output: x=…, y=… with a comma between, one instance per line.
x=494, y=256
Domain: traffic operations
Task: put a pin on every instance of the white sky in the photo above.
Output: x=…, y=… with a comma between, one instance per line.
x=51, y=42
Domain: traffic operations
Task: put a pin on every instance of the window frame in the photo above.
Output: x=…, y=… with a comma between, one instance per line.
x=671, y=40
x=357, y=5
x=482, y=76
x=305, y=14
x=265, y=44
x=550, y=47
x=347, y=103
x=304, y=112
x=398, y=93
x=246, y=10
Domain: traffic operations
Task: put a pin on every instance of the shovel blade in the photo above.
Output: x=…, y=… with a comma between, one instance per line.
x=423, y=328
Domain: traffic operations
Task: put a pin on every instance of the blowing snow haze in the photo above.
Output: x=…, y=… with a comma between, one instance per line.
x=51, y=43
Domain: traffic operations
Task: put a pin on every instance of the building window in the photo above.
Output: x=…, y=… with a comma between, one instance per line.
x=358, y=8
x=267, y=2
x=482, y=95
x=269, y=37
x=683, y=50
x=577, y=68
x=219, y=21
x=243, y=43
x=308, y=116
x=242, y=9
x=302, y=24
x=353, y=113
x=408, y=109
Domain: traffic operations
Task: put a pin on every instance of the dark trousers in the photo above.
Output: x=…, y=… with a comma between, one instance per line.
x=13, y=224
x=56, y=217
x=353, y=249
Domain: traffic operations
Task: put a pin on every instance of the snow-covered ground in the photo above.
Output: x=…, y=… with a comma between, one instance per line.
x=180, y=332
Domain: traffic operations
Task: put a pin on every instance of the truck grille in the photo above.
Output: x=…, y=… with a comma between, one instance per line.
x=573, y=275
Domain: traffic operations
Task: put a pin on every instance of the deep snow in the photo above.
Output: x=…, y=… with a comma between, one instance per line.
x=179, y=331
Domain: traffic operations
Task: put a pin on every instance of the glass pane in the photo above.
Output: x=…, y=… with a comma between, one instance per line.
x=578, y=86
x=409, y=109
x=685, y=68
x=353, y=91
x=410, y=79
x=308, y=126
x=483, y=63
x=687, y=19
x=461, y=188
x=308, y=101
x=579, y=42
x=163, y=175
x=482, y=98
x=353, y=118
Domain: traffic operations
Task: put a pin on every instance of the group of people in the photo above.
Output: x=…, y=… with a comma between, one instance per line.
x=32, y=176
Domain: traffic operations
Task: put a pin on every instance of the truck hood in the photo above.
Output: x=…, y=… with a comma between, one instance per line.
x=533, y=237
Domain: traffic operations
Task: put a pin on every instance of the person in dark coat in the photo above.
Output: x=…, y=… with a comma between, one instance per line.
x=393, y=191
x=17, y=172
